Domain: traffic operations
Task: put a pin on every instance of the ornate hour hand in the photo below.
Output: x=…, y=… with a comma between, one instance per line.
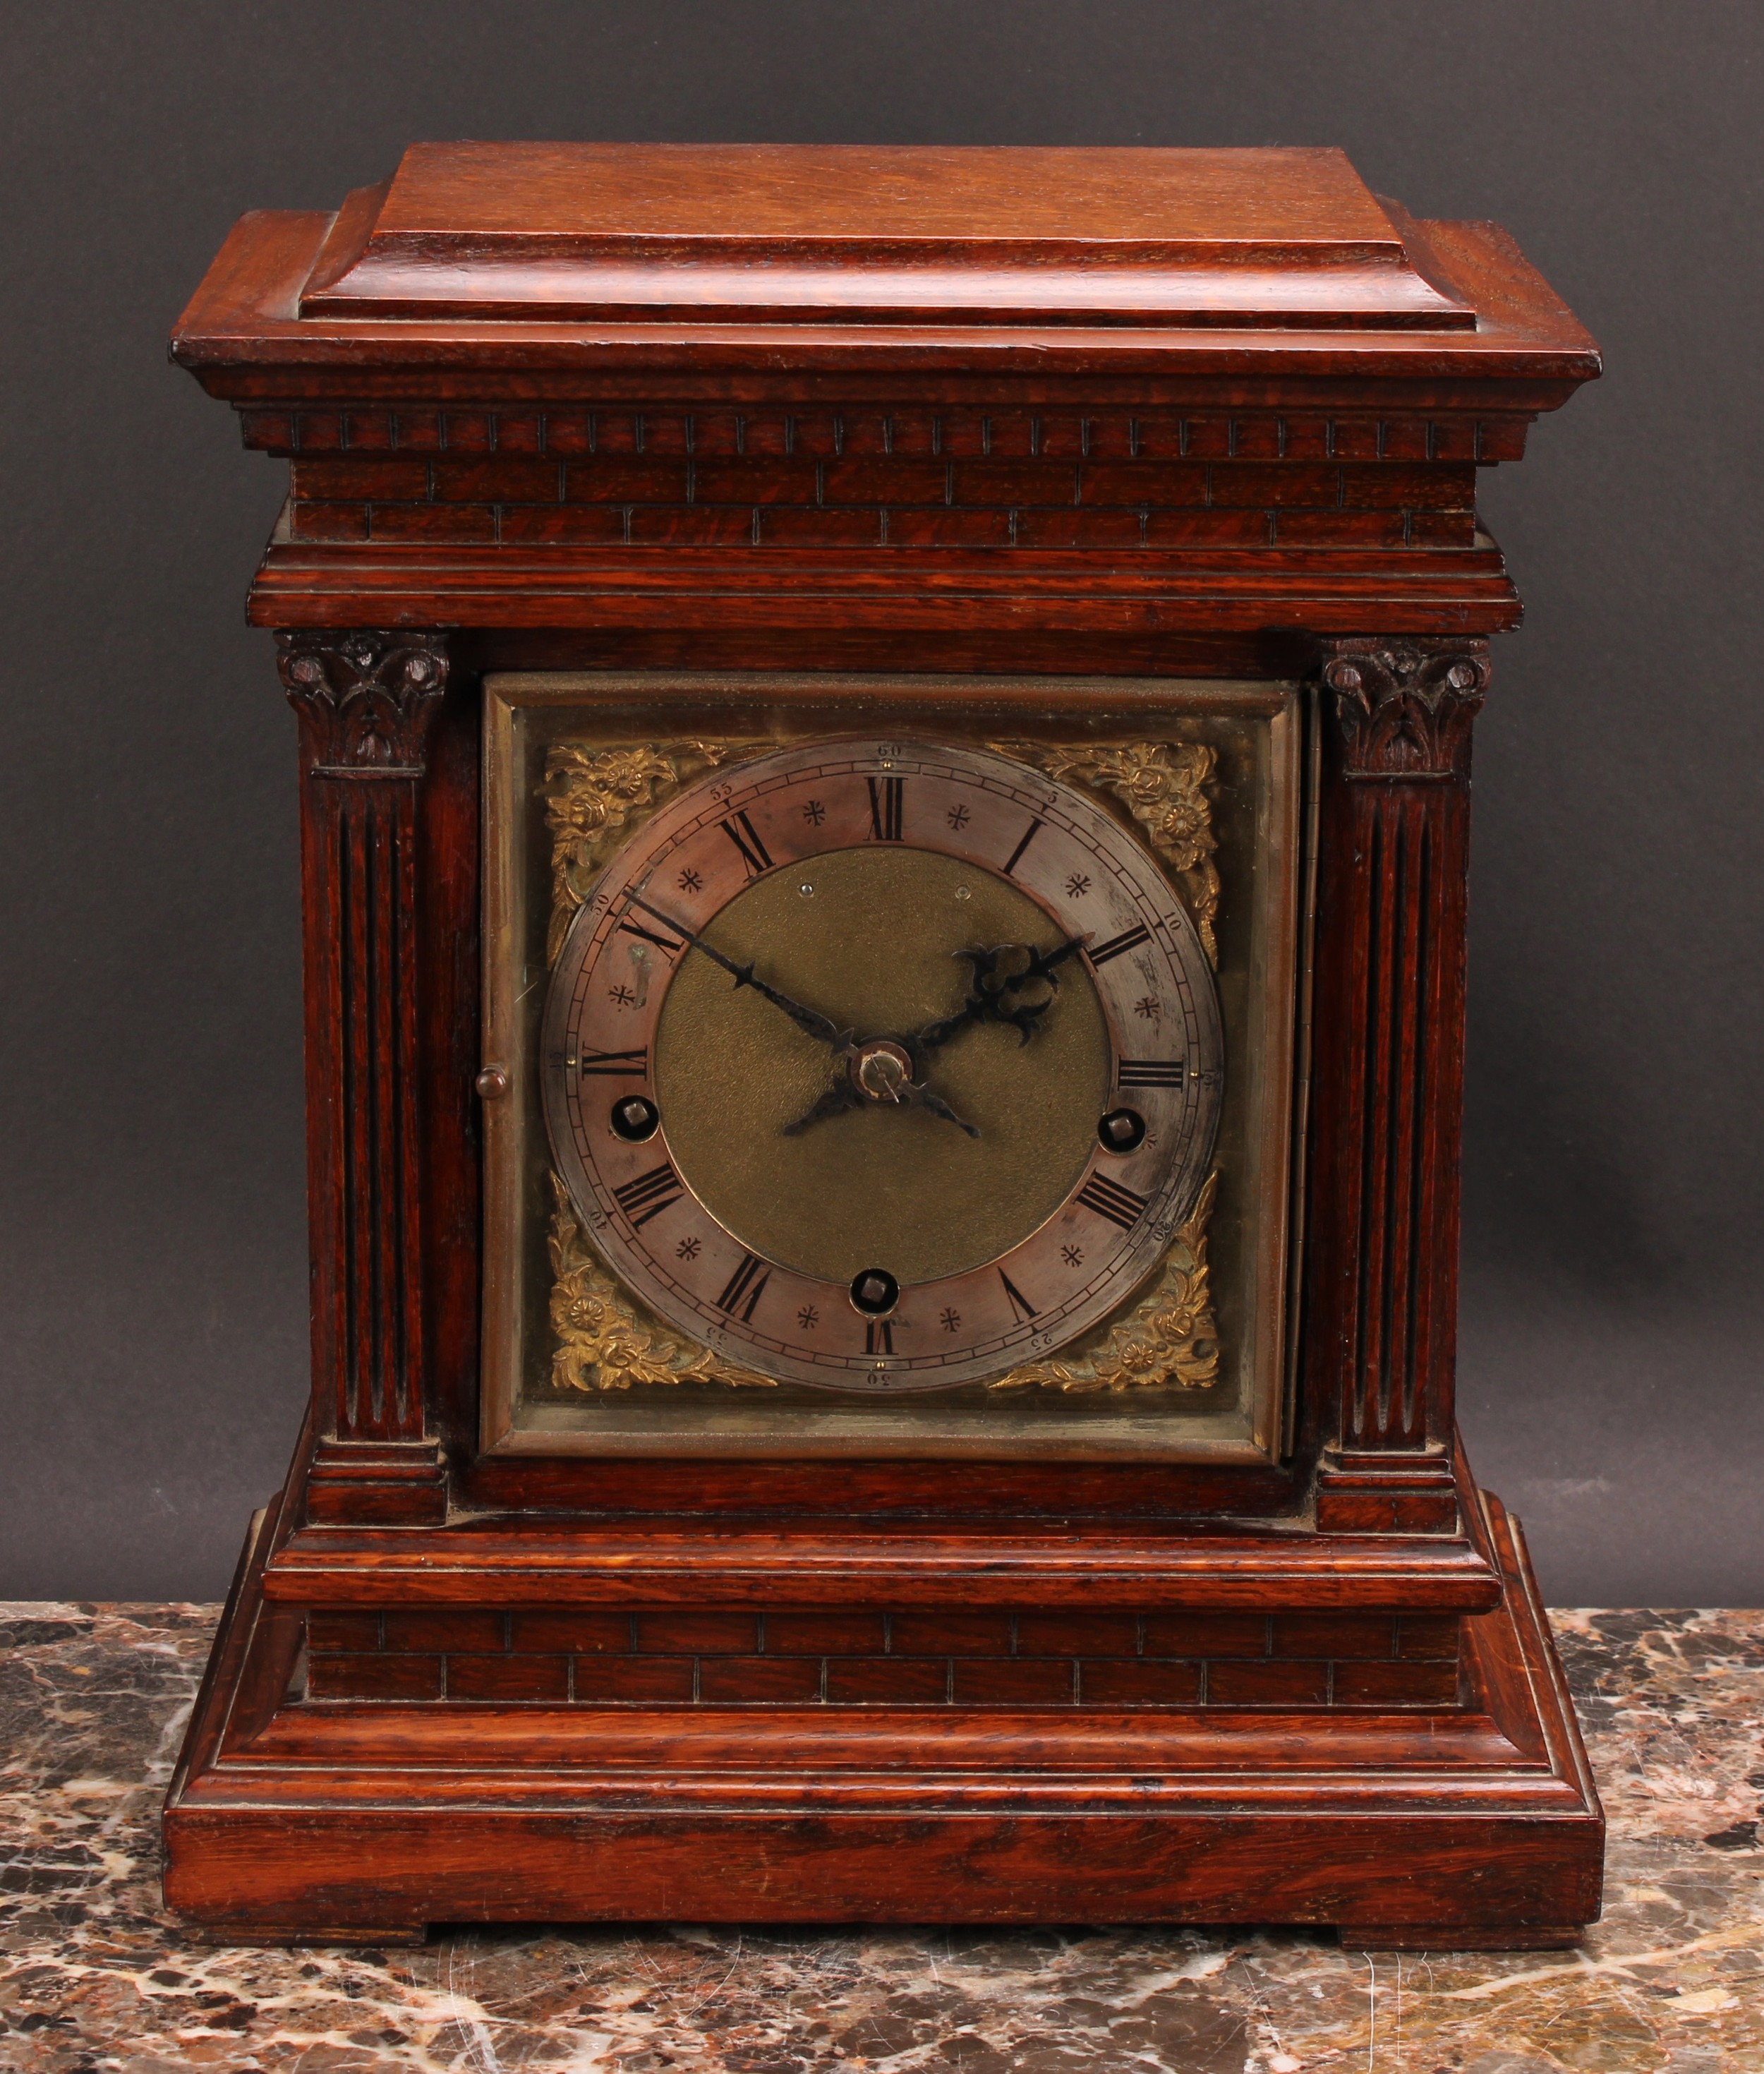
x=877, y=1071
x=1012, y=983
x=840, y=1096
x=818, y=1025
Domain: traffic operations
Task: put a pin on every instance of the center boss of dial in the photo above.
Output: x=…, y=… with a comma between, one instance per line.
x=925, y=1159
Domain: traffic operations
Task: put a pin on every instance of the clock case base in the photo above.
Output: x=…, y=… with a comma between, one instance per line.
x=297, y=1820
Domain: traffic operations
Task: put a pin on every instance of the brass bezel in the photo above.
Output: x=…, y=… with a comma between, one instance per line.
x=756, y=709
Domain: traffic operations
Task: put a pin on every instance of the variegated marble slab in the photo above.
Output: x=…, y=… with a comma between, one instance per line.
x=93, y=1700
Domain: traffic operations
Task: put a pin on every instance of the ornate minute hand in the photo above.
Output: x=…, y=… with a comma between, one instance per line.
x=817, y=1026
x=987, y=1003
x=848, y=1091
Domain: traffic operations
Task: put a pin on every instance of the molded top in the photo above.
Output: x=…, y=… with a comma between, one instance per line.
x=720, y=233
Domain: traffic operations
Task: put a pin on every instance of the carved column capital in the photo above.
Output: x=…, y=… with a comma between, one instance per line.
x=1405, y=705
x=368, y=697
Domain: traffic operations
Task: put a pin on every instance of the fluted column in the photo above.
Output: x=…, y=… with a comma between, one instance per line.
x=366, y=702
x=1388, y=1073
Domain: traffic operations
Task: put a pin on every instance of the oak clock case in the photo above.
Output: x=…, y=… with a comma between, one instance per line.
x=872, y=1092
x=884, y=777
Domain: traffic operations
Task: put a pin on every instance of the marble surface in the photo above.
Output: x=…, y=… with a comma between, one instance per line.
x=93, y=1698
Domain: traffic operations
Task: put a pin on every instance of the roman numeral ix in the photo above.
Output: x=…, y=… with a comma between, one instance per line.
x=1099, y=954
x=1149, y=1073
x=886, y=795
x=650, y=1194
x=631, y=1064
x=1121, y=1206
x=745, y=1288
x=741, y=832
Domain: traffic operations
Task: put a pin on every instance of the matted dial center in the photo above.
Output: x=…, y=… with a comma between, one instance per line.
x=884, y=1179
x=881, y=1069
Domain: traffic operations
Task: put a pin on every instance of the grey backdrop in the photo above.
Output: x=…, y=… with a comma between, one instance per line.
x=151, y=1245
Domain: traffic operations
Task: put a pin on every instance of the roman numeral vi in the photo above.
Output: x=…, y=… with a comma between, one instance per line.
x=745, y=1288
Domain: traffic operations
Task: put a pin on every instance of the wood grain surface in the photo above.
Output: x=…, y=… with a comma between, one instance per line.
x=452, y=1686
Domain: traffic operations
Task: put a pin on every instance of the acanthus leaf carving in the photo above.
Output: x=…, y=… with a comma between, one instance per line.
x=1405, y=705
x=368, y=697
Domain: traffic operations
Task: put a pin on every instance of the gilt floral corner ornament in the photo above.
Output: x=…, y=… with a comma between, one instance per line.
x=595, y=796
x=1163, y=786
x=1168, y=1338
x=604, y=1338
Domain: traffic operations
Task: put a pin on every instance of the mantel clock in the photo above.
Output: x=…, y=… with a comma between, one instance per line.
x=884, y=749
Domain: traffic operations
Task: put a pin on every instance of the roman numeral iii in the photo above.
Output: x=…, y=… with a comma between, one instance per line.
x=886, y=795
x=1121, y=1206
x=741, y=832
x=745, y=1288
x=650, y=1194
x=1150, y=1073
x=1099, y=954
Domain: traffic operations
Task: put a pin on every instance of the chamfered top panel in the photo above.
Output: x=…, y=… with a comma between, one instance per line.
x=792, y=234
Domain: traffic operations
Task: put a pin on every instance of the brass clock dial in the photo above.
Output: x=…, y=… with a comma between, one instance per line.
x=882, y=1065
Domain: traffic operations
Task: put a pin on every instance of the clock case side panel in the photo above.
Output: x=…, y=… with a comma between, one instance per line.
x=1260, y=791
